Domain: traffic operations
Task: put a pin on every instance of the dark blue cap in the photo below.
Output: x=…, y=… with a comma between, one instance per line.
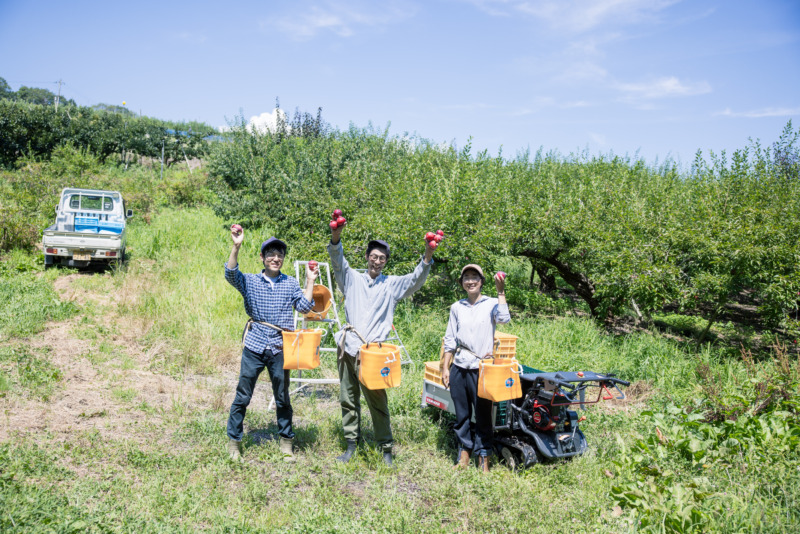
x=378, y=243
x=274, y=242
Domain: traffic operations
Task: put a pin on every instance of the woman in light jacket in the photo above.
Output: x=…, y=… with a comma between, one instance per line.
x=469, y=338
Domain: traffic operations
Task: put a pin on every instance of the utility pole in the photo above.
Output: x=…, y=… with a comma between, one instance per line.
x=58, y=97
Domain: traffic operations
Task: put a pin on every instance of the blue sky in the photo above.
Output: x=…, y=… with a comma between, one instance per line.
x=659, y=77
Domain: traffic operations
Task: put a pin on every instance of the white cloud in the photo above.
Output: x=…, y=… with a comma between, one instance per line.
x=468, y=107
x=190, y=37
x=663, y=88
x=581, y=71
x=539, y=103
x=266, y=121
x=577, y=15
x=599, y=139
x=576, y=104
x=761, y=113
x=340, y=18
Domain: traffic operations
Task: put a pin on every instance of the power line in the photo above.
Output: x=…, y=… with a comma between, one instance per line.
x=21, y=82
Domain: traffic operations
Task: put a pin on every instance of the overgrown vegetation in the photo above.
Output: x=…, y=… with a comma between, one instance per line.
x=671, y=475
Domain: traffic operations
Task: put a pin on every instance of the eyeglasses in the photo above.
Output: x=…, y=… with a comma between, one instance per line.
x=274, y=256
x=376, y=258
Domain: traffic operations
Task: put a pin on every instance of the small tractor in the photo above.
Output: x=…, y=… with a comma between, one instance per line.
x=541, y=425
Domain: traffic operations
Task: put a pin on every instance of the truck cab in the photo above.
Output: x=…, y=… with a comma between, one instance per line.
x=89, y=227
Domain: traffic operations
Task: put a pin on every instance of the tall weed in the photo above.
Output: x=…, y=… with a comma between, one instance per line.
x=28, y=302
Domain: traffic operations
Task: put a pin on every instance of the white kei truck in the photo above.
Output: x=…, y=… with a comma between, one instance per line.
x=89, y=228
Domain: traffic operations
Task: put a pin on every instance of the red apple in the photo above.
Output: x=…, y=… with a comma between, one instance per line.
x=312, y=264
x=333, y=225
x=433, y=244
x=430, y=236
x=237, y=229
x=501, y=275
x=438, y=238
x=336, y=214
x=439, y=232
x=340, y=221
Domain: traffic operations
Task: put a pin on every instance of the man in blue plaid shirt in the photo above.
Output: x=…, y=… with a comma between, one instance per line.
x=268, y=298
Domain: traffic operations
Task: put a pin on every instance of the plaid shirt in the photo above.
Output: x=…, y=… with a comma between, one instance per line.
x=270, y=303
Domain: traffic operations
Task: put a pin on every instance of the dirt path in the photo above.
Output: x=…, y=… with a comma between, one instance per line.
x=111, y=388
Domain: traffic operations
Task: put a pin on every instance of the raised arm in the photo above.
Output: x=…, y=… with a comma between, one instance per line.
x=232, y=273
x=501, y=313
x=407, y=284
x=341, y=269
x=237, y=236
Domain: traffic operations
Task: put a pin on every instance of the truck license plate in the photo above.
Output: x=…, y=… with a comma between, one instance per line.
x=81, y=257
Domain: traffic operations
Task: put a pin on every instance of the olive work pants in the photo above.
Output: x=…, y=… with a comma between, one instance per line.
x=350, y=390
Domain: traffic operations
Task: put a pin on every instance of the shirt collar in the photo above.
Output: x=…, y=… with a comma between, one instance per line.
x=372, y=281
x=465, y=302
x=267, y=279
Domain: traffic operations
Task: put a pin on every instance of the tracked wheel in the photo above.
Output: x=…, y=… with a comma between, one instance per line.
x=511, y=458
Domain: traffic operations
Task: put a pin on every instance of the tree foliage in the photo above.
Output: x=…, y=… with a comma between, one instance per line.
x=30, y=130
x=616, y=230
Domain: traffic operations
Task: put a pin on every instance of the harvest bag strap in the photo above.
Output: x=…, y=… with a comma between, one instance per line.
x=249, y=325
x=347, y=328
x=461, y=348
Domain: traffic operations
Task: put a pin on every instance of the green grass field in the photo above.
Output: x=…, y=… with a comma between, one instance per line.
x=154, y=353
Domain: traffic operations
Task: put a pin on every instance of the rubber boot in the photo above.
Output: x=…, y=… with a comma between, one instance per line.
x=286, y=450
x=484, y=464
x=235, y=450
x=463, y=459
x=348, y=454
x=387, y=458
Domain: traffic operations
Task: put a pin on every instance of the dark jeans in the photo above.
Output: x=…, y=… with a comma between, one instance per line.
x=252, y=365
x=475, y=436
